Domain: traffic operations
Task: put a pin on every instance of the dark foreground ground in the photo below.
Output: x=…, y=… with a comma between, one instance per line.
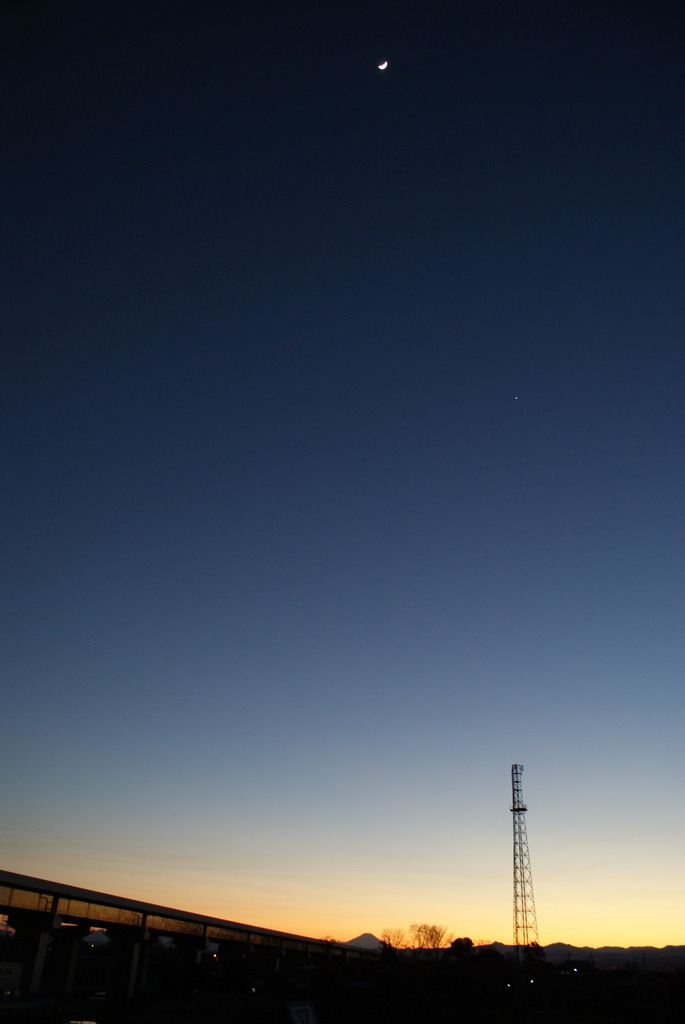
x=386, y=991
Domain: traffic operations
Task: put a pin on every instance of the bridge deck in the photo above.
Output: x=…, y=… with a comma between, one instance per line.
x=73, y=904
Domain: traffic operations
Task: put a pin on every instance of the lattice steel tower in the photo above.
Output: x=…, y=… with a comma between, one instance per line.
x=525, y=922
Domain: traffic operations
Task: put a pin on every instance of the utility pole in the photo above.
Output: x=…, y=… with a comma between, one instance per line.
x=525, y=922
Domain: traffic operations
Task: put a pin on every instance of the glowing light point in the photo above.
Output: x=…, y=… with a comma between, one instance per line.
x=383, y=66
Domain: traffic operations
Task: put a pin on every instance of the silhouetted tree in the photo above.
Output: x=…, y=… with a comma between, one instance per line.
x=394, y=938
x=461, y=948
x=429, y=937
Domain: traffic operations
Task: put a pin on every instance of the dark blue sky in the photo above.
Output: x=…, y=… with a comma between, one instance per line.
x=343, y=450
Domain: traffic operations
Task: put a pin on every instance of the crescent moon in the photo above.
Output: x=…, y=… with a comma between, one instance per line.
x=383, y=66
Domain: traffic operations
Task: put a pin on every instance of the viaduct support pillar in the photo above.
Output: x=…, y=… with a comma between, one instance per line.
x=72, y=959
x=128, y=958
x=42, y=944
x=34, y=932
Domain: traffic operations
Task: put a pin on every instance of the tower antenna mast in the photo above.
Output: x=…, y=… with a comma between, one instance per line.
x=525, y=921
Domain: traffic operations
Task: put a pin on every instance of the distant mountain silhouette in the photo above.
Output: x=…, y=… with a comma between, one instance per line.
x=647, y=957
x=606, y=957
x=365, y=941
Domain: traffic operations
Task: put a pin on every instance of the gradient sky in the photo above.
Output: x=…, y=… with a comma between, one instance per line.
x=343, y=465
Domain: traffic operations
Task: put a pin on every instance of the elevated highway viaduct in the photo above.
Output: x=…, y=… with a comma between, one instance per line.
x=50, y=921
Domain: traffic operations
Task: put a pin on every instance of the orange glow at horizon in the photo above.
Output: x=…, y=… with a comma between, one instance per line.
x=314, y=909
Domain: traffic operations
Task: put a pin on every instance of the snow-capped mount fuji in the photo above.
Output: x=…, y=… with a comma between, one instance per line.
x=366, y=941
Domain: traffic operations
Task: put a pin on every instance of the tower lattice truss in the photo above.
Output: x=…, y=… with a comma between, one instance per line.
x=525, y=921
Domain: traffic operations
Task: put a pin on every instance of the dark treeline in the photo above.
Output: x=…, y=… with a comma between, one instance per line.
x=464, y=984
